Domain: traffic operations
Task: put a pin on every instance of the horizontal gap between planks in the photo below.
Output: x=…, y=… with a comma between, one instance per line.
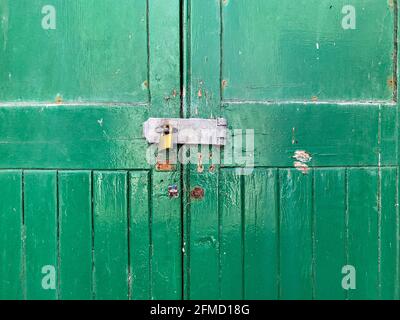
x=304, y=102
x=74, y=104
x=222, y=168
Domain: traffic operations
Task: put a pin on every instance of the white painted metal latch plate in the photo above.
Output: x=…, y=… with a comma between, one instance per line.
x=187, y=131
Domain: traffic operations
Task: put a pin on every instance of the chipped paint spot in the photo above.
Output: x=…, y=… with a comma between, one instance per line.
x=314, y=98
x=302, y=156
x=199, y=93
x=302, y=167
x=145, y=85
x=225, y=2
x=100, y=122
x=224, y=84
x=391, y=3
x=294, y=141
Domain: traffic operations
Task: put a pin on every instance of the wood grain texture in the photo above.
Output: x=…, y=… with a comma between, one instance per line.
x=333, y=134
x=166, y=239
x=98, y=52
x=11, y=236
x=285, y=50
x=41, y=225
x=75, y=235
x=140, y=235
x=110, y=224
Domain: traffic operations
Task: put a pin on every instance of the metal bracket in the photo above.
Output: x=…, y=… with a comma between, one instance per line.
x=187, y=131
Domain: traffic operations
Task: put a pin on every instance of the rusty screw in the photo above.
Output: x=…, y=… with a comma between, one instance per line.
x=197, y=193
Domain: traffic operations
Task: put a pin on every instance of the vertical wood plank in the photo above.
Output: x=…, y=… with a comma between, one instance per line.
x=203, y=236
x=389, y=257
x=164, y=57
x=75, y=214
x=110, y=235
x=330, y=237
x=11, y=271
x=261, y=235
x=295, y=235
x=231, y=235
x=140, y=284
x=363, y=231
x=205, y=57
x=166, y=229
x=40, y=208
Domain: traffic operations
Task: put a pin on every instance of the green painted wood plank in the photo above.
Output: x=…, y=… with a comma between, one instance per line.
x=72, y=137
x=164, y=57
x=204, y=58
x=139, y=235
x=363, y=219
x=285, y=50
x=203, y=248
x=75, y=214
x=334, y=134
x=330, y=236
x=11, y=263
x=40, y=210
x=261, y=235
x=110, y=218
x=97, y=51
x=166, y=235
x=231, y=235
x=389, y=240
x=295, y=235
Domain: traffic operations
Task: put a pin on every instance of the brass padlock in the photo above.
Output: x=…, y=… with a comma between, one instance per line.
x=166, y=139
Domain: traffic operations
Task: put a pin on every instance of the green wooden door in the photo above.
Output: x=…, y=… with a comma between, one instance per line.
x=82, y=214
x=309, y=90
x=316, y=81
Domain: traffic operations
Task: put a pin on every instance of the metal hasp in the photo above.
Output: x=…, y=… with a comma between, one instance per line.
x=187, y=131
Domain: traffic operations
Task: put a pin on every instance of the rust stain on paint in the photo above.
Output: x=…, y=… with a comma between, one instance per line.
x=165, y=166
x=391, y=83
x=59, y=99
x=197, y=193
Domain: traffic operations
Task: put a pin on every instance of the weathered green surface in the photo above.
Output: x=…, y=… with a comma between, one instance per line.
x=166, y=238
x=285, y=50
x=11, y=267
x=41, y=232
x=110, y=222
x=75, y=237
x=98, y=52
x=335, y=135
x=140, y=236
x=329, y=223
